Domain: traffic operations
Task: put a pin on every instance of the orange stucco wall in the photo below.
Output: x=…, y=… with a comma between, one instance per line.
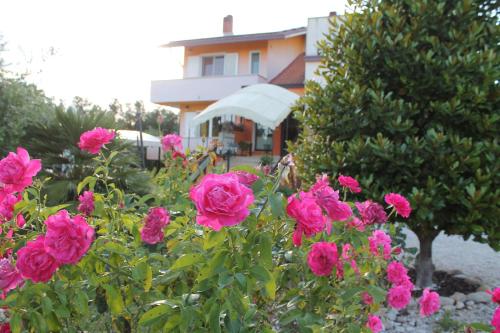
x=282, y=52
x=243, y=50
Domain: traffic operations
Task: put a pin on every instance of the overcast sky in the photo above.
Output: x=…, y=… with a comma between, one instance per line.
x=105, y=49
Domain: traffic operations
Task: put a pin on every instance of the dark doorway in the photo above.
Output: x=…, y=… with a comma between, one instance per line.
x=289, y=132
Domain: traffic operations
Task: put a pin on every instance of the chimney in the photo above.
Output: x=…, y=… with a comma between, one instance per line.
x=227, y=27
x=332, y=14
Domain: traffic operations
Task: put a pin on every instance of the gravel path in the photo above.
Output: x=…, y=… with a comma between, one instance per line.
x=473, y=259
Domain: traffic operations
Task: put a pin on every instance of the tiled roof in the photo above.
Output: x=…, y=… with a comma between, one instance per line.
x=239, y=38
x=293, y=75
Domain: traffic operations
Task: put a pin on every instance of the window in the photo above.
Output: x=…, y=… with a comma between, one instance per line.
x=254, y=62
x=212, y=65
x=263, y=138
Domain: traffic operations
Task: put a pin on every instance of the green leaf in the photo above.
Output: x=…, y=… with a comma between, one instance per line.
x=187, y=260
x=265, y=249
x=214, y=320
x=214, y=238
x=15, y=323
x=89, y=180
x=154, y=315
x=277, y=204
x=260, y=273
x=116, y=248
x=82, y=302
x=377, y=293
x=114, y=299
x=480, y=327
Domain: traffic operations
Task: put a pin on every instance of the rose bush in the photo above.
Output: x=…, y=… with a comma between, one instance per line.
x=205, y=253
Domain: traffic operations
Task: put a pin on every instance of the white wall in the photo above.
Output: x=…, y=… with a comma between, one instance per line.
x=317, y=27
x=311, y=68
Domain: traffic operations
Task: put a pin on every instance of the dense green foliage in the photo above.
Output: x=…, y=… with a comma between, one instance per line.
x=55, y=143
x=411, y=103
x=244, y=278
x=20, y=104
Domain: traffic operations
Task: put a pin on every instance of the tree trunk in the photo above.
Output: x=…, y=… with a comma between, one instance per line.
x=424, y=265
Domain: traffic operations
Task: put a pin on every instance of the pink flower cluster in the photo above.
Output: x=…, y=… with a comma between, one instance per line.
x=371, y=212
x=374, y=323
x=307, y=209
x=400, y=204
x=92, y=141
x=171, y=142
x=86, y=206
x=221, y=201
x=65, y=242
x=380, y=241
x=429, y=303
x=246, y=178
x=495, y=320
x=16, y=173
x=399, y=295
x=322, y=258
x=156, y=220
x=350, y=183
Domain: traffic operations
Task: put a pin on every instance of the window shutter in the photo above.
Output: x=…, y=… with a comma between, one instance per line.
x=231, y=64
x=193, y=67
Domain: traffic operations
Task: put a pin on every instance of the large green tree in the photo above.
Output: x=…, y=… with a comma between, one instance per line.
x=411, y=104
x=21, y=103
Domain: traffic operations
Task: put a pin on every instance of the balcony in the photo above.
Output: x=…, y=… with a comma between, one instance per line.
x=199, y=89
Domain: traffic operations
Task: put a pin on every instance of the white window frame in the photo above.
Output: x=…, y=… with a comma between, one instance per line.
x=250, y=61
x=213, y=55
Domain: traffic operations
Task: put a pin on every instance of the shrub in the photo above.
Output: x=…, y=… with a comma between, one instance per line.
x=227, y=253
x=410, y=103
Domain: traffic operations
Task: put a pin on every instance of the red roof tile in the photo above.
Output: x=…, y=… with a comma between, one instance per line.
x=293, y=75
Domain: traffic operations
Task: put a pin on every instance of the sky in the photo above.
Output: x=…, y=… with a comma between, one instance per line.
x=106, y=49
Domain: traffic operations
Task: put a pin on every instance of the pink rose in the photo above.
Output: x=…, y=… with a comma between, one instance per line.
x=371, y=212
x=380, y=239
x=322, y=258
x=221, y=201
x=67, y=239
x=349, y=182
x=348, y=256
x=307, y=213
x=396, y=273
x=399, y=297
x=495, y=295
x=495, y=320
x=5, y=328
x=356, y=224
x=86, y=206
x=9, y=276
x=171, y=142
x=17, y=171
x=367, y=298
x=156, y=220
x=328, y=199
x=400, y=204
x=246, y=178
x=429, y=303
x=34, y=263
x=92, y=141
x=374, y=323
x=7, y=203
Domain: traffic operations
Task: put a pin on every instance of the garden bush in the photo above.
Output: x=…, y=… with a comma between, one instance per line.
x=226, y=253
x=410, y=103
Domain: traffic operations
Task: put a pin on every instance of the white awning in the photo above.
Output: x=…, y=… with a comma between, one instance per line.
x=147, y=139
x=266, y=104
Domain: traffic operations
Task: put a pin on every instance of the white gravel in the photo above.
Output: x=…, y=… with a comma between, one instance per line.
x=474, y=259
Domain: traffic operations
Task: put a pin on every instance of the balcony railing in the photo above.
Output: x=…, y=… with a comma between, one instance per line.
x=199, y=89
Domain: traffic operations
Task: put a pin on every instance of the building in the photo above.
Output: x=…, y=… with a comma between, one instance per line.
x=218, y=67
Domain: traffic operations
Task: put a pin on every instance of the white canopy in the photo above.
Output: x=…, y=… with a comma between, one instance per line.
x=147, y=139
x=266, y=104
